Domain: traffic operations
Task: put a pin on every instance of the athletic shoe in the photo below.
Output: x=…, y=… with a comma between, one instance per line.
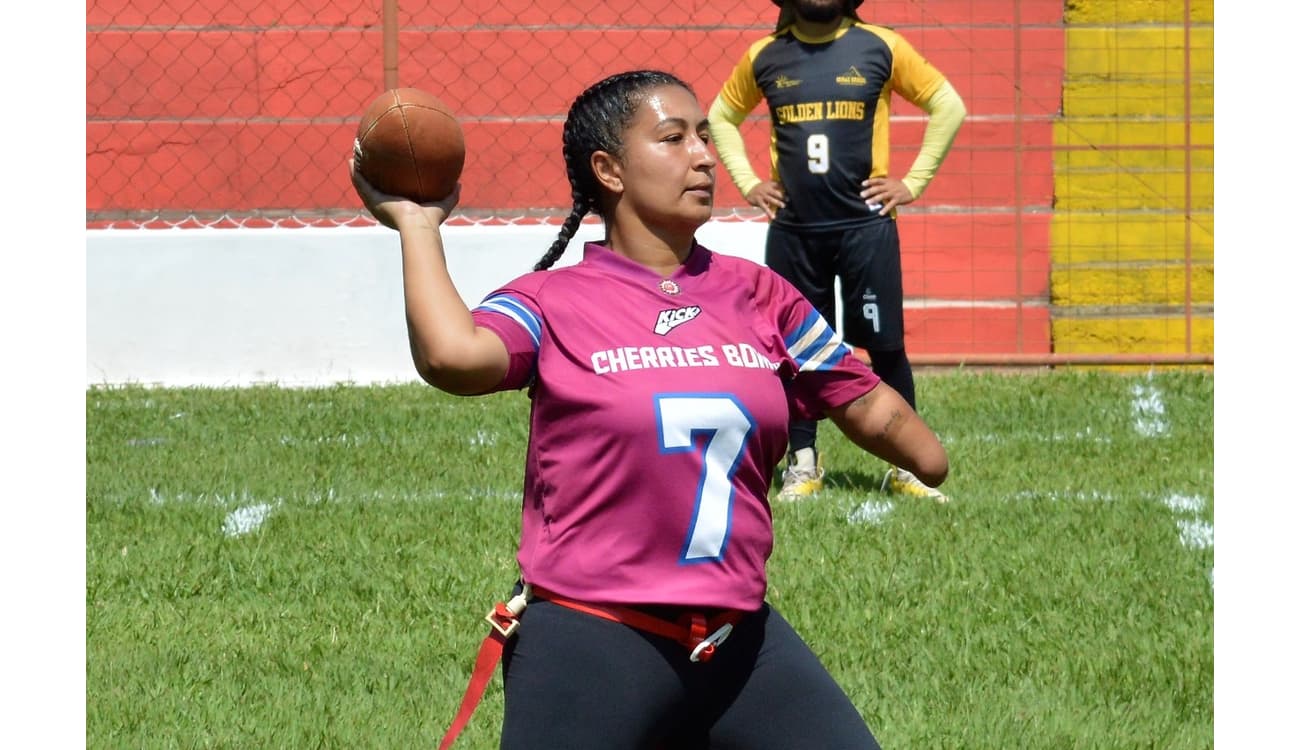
x=803, y=475
x=903, y=482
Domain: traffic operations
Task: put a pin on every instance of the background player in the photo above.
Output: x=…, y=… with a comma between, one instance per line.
x=662, y=378
x=828, y=79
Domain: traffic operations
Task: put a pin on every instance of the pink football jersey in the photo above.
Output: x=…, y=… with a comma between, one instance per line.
x=660, y=411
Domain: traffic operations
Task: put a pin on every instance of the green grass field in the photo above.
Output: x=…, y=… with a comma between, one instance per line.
x=285, y=568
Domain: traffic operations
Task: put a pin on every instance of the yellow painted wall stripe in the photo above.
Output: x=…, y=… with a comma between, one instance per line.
x=1099, y=158
x=1150, y=53
x=1147, y=335
x=1136, y=98
x=1080, y=131
x=1146, y=144
x=1078, y=237
x=1114, y=284
x=1137, y=190
x=1136, y=11
x=1119, y=236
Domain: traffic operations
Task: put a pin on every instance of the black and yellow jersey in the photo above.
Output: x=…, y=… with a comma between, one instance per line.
x=829, y=100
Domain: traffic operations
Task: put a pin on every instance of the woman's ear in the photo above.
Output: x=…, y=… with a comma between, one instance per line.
x=608, y=171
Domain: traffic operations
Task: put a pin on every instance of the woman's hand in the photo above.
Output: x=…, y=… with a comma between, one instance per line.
x=885, y=192
x=767, y=195
x=396, y=212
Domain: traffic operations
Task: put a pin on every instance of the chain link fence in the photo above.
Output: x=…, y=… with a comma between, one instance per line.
x=212, y=110
x=1087, y=152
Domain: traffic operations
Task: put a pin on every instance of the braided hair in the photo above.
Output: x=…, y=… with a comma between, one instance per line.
x=596, y=121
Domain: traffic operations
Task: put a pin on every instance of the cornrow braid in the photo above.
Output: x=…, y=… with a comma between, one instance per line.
x=571, y=223
x=596, y=122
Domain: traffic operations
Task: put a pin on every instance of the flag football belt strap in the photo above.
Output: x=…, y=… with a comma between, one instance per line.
x=696, y=631
x=504, y=619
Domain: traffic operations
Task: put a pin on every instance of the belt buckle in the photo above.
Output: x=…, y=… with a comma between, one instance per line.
x=504, y=617
x=703, y=651
x=504, y=623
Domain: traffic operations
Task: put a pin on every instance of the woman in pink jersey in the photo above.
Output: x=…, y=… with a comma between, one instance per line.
x=663, y=378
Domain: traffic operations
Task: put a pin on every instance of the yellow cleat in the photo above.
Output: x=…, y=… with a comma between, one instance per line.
x=903, y=482
x=803, y=475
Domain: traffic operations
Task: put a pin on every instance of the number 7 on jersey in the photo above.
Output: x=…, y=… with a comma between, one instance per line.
x=728, y=426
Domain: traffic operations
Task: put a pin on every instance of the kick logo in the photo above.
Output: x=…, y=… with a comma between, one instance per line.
x=670, y=319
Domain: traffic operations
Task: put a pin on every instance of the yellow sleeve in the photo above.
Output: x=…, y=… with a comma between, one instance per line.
x=724, y=127
x=913, y=77
x=947, y=112
x=738, y=97
x=740, y=91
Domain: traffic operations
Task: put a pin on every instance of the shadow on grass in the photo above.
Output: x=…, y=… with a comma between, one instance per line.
x=852, y=480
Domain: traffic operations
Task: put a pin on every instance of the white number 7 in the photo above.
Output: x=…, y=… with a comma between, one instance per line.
x=728, y=426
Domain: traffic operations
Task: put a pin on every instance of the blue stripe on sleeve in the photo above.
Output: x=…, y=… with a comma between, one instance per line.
x=815, y=345
x=515, y=310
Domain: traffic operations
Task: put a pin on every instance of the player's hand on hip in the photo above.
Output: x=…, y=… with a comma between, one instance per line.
x=391, y=210
x=768, y=196
x=885, y=192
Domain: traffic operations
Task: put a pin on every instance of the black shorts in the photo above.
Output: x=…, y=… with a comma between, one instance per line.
x=580, y=682
x=866, y=260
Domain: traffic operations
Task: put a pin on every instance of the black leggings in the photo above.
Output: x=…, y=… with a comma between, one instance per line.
x=579, y=682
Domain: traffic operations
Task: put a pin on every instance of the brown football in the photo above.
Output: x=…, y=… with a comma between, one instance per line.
x=410, y=144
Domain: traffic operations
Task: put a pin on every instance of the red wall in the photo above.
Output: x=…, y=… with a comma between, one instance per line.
x=230, y=106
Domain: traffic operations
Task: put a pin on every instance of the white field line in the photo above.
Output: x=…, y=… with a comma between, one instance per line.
x=1185, y=504
x=1148, y=407
x=342, y=438
x=1092, y=496
x=217, y=499
x=1148, y=411
x=1086, y=435
x=245, y=499
x=480, y=438
x=244, y=519
x=146, y=442
x=249, y=514
x=1194, y=531
x=872, y=512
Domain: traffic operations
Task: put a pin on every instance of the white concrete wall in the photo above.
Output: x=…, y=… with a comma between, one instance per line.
x=298, y=307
